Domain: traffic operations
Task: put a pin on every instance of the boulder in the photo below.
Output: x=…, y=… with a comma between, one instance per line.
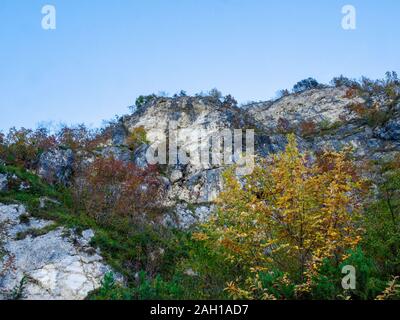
x=56, y=165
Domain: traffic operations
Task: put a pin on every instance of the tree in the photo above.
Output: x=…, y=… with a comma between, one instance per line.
x=215, y=93
x=143, y=100
x=136, y=138
x=23, y=147
x=229, y=101
x=112, y=189
x=308, y=127
x=283, y=93
x=290, y=214
x=306, y=84
x=343, y=81
x=182, y=93
x=382, y=220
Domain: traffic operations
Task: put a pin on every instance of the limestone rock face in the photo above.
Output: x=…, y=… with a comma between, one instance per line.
x=336, y=124
x=3, y=182
x=318, y=105
x=194, y=182
x=58, y=265
x=56, y=165
x=329, y=111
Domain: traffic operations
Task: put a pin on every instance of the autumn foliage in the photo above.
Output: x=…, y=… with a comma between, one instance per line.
x=292, y=214
x=109, y=189
x=308, y=128
x=24, y=146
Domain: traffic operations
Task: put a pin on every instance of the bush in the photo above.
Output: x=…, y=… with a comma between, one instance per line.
x=144, y=289
x=23, y=147
x=343, y=81
x=288, y=215
x=81, y=139
x=372, y=116
x=382, y=223
x=306, y=84
x=229, y=101
x=283, y=93
x=143, y=100
x=284, y=126
x=137, y=138
x=308, y=128
x=109, y=188
x=215, y=94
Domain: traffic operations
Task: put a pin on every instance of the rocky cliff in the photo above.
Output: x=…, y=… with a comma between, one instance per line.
x=60, y=264
x=321, y=118
x=327, y=117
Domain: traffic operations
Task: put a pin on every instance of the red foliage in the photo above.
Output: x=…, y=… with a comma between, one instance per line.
x=283, y=125
x=351, y=93
x=308, y=128
x=23, y=147
x=359, y=108
x=110, y=188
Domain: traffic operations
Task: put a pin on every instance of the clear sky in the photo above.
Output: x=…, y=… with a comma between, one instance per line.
x=104, y=53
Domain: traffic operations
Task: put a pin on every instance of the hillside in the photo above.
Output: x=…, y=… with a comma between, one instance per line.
x=79, y=206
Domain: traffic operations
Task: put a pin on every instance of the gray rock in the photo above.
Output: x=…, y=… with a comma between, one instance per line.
x=329, y=108
x=44, y=200
x=391, y=131
x=118, y=152
x=56, y=165
x=3, y=182
x=49, y=267
x=139, y=157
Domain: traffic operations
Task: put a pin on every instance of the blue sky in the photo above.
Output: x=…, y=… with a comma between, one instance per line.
x=105, y=53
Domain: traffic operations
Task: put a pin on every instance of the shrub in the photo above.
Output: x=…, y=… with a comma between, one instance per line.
x=343, y=81
x=372, y=116
x=283, y=126
x=110, y=188
x=80, y=138
x=351, y=93
x=230, y=101
x=283, y=93
x=144, y=289
x=382, y=224
x=308, y=128
x=306, y=84
x=181, y=93
x=143, y=100
x=23, y=147
x=137, y=138
x=215, y=93
x=392, y=291
x=290, y=215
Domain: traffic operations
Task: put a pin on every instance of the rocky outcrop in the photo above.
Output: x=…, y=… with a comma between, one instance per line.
x=336, y=124
x=40, y=262
x=10, y=181
x=328, y=105
x=194, y=182
x=321, y=118
x=3, y=182
x=56, y=165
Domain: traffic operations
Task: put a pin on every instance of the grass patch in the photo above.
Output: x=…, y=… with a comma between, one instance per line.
x=34, y=232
